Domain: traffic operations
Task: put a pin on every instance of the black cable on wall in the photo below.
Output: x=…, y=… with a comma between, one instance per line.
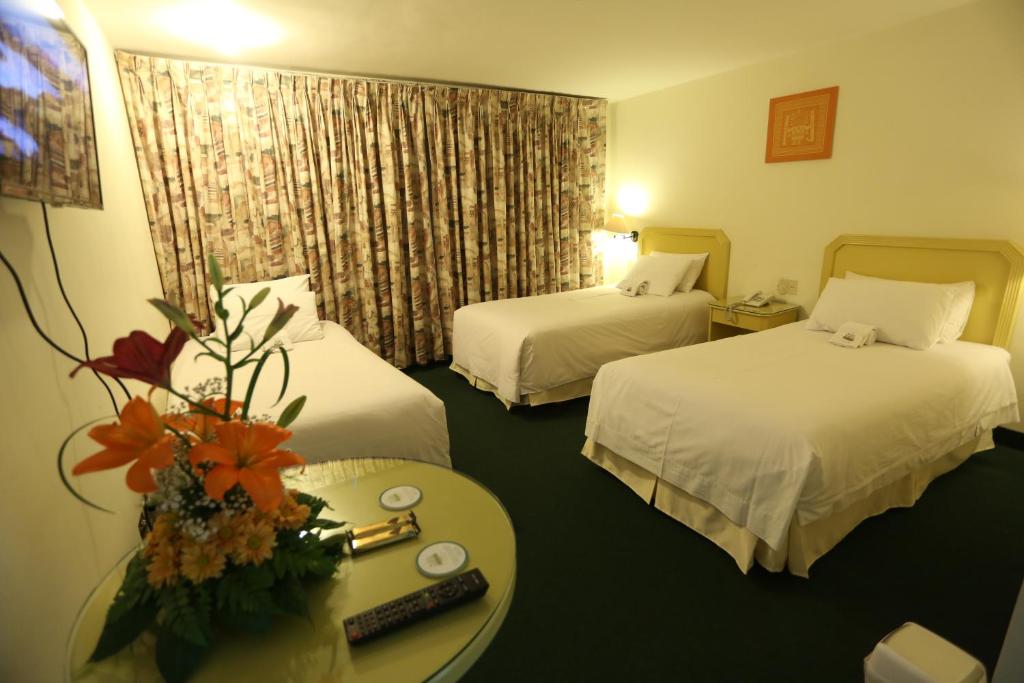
x=81, y=327
x=35, y=322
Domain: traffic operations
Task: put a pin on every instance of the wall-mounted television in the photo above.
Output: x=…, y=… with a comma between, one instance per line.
x=47, y=138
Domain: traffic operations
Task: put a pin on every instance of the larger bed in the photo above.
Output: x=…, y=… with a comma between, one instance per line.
x=358, y=405
x=776, y=445
x=542, y=349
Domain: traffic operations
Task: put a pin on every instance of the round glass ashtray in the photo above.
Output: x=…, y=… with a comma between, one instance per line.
x=400, y=497
x=441, y=559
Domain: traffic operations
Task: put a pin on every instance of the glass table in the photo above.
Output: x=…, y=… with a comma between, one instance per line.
x=453, y=507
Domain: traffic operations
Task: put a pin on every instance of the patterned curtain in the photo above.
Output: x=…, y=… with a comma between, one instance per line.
x=402, y=201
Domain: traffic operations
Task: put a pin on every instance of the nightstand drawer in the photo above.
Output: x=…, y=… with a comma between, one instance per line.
x=752, y=321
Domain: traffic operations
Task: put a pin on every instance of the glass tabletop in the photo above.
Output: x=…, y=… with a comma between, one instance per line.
x=453, y=507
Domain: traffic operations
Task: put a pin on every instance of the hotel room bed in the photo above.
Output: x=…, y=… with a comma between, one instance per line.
x=358, y=405
x=548, y=348
x=776, y=445
x=543, y=349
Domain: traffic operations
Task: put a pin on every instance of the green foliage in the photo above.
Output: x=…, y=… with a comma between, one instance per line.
x=291, y=412
x=60, y=467
x=185, y=611
x=216, y=276
x=301, y=556
x=249, y=622
x=245, y=597
x=134, y=590
x=175, y=315
x=132, y=611
x=246, y=590
x=176, y=657
x=284, y=380
x=334, y=546
x=316, y=506
x=280, y=319
x=258, y=298
x=253, y=380
x=290, y=597
x=323, y=524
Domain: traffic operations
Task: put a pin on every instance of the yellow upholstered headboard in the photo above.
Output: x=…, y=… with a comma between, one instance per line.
x=995, y=266
x=715, y=276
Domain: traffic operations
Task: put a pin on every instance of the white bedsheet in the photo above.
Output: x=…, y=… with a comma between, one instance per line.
x=531, y=344
x=782, y=425
x=358, y=405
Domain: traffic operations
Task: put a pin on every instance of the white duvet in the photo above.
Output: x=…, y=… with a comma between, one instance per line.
x=782, y=425
x=532, y=344
x=358, y=405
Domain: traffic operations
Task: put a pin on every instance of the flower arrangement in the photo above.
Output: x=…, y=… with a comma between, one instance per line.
x=228, y=546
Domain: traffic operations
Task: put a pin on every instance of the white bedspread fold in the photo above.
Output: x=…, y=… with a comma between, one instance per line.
x=782, y=425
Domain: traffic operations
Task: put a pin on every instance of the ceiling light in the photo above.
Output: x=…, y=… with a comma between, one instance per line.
x=223, y=25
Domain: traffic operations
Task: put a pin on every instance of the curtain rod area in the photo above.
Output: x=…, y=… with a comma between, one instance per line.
x=354, y=76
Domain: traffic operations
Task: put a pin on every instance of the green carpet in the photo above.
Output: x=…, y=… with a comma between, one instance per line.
x=610, y=589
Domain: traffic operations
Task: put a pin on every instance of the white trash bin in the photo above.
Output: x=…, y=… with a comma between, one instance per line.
x=913, y=654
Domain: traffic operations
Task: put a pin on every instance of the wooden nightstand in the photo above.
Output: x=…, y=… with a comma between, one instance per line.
x=724, y=323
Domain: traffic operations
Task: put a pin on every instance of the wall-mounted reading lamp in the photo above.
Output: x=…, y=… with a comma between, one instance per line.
x=617, y=224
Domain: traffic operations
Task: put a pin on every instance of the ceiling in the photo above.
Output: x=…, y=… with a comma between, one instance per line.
x=605, y=48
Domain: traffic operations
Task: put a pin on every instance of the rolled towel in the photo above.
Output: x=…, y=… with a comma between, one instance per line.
x=854, y=335
x=639, y=289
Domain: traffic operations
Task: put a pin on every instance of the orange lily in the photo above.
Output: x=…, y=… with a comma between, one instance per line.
x=201, y=424
x=246, y=454
x=140, y=436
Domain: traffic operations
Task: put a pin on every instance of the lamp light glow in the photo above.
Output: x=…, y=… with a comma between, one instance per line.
x=633, y=200
x=223, y=25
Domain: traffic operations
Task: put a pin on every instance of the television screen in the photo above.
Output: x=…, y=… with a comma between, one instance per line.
x=47, y=140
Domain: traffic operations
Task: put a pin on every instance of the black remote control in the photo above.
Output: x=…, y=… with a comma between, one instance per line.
x=410, y=608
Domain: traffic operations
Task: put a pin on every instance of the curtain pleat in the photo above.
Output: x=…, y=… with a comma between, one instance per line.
x=402, y=201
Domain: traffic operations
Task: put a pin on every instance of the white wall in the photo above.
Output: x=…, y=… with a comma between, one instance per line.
x=54, y=549
x=929, y=140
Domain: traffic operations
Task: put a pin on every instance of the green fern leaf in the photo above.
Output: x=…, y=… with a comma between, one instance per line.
x=186, y=613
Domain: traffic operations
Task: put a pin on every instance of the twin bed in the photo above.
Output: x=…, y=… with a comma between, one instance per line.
x=776, y=445
x=543, y=349
x=358, y=405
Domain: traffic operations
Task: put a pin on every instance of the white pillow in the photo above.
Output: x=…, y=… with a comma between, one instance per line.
x=959, y=310
x=247, y=290
x=908, y=314
x=662, y=274
x=303, y=326
x=696, y=264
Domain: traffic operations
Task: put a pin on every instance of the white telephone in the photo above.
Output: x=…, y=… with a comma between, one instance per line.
x=757, y=299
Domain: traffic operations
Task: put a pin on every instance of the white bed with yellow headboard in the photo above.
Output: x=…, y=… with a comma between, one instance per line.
x=775, y=445
x=547, y=348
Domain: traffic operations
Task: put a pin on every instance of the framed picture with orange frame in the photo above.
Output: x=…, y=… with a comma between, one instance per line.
x=801, y=126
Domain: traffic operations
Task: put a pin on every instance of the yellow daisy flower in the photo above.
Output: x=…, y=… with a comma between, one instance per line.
x=227, y=530
x=202, y=561
x=162, y=569
x=291, y=515
x=256, y=544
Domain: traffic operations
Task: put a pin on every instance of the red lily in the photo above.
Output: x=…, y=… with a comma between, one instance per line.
x=140, y=356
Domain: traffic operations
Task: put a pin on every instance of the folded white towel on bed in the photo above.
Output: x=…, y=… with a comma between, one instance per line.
x=634, y=289
x=854, y=335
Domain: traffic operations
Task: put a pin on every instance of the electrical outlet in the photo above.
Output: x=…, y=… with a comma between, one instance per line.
x=786, y=286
